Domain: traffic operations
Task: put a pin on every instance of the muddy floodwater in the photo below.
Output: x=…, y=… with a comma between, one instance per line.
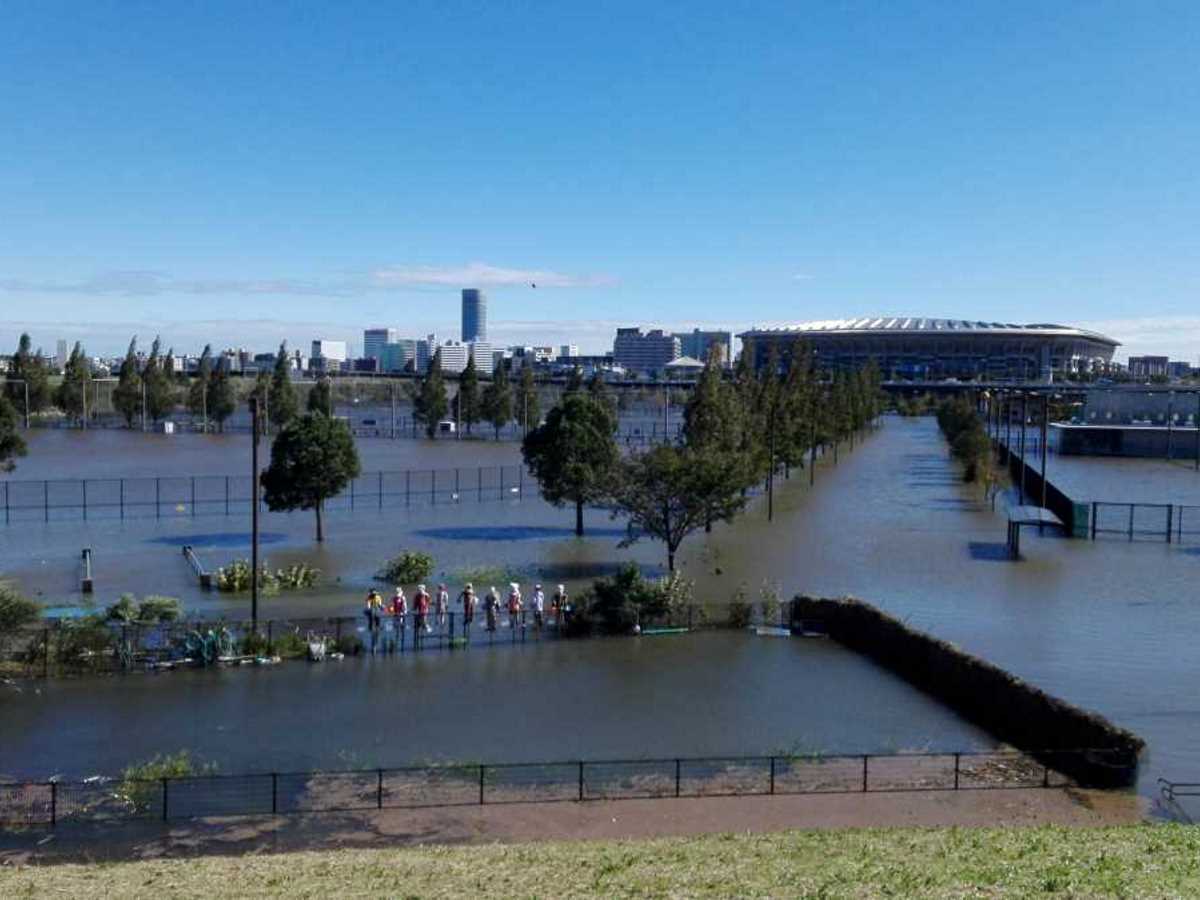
x=1109, y=625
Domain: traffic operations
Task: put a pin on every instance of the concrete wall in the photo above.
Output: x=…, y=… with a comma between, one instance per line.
x=1013, y=710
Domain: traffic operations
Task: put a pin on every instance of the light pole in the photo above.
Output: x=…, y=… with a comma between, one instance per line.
x=254, y=419
x=144, y=429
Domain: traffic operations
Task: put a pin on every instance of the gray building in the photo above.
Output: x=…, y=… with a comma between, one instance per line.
x=374, y=340
x=699, y=343
x=648, y=352
x=474, y=315
x=1148, y=366
x=396, y=355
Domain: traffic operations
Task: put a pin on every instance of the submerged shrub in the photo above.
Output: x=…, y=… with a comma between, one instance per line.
x=141, y=783
x=408, y=567
x=16, y=612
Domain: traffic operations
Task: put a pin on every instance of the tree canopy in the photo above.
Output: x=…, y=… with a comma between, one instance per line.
x=528, y=407
x=320, y=398
x=467, y=400
x=222, y=398
x=430, y=405
x=312, y=459
x=160, y=391
x=498, y=399
x=574, y=454
x=71, y=396
x=281, y=399
x=127, y=395
x=27, y=377
x=12, y=445
x=198, y=393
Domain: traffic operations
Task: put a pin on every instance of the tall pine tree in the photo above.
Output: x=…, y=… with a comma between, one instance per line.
x=430, y=404
x=281, y=399
x=127, y=395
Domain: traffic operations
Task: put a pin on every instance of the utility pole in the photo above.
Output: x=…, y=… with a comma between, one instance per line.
x=144, y=428
x=254, y=418
x=1045, y=440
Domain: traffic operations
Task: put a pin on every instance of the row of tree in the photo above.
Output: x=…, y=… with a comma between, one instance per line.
x=739, y=432
x=495, y=402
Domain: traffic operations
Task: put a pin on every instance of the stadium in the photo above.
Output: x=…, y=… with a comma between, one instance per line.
x=920, y=349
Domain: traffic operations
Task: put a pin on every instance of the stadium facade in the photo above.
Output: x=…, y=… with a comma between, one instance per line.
x=921, y=349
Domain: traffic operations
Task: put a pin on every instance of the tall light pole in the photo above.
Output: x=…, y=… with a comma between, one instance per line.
x=254, y=420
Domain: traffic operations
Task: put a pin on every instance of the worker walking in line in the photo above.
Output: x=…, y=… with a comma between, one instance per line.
x=514, y=605
x=373, y=611
x=468, y=600
x=558, y=605
x=421, y=604
x=441, y=605
x=538, y=604
x=491, y=607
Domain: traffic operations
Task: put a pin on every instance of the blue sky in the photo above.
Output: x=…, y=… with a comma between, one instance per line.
x=242, y=173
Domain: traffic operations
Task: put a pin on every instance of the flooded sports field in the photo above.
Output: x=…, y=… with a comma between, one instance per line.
x=1107, y=624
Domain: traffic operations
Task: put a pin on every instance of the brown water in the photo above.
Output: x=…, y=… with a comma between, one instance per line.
x=1108, y=625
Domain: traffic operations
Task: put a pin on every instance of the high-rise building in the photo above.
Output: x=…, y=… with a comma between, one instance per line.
x=699, y=343
x=374, y=340
x=396, y=355
x=485, y=358
x=328, y=356
x=62, y=354
x=474, y=315
x=649, y=352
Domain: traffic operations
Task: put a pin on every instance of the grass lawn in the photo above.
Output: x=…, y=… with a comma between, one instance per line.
x=1132, y=861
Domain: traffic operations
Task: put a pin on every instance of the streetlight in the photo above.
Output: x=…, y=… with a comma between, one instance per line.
x=254, y=420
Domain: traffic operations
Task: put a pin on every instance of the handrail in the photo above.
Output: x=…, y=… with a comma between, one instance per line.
x=198, y=567
x=87, y=585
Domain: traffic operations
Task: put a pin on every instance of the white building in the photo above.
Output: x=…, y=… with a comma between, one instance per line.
x=331, y=351
x=568, y=351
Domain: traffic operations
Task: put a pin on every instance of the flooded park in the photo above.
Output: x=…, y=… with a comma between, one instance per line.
x=1105, y=624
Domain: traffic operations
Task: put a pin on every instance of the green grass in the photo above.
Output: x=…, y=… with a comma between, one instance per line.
x=1131, y=861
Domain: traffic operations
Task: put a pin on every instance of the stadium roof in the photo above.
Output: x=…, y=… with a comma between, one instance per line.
x=919, y=325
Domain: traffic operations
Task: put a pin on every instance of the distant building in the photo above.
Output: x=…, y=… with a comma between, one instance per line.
x=367, y=365
x=1148, y=366
x=1177, y=370
x=474, y=315
x=425, y=351
x=919, y=349
x=683, y=369
x=485, y=357
x=375, y=339
x=395, y=356
x=699, y=343
x=568, y=351
x=330, y=351
x=649, y=352
x=61, y=355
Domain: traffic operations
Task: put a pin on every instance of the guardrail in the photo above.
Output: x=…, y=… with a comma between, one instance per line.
x=1172, y=523
x=193, y=560
x=115, y=800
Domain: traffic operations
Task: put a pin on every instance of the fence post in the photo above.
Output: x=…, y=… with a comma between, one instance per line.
x=381, y=488
x=83, y=481
x=865, y=758
x=957, y=760
x=1095, y=512
x=1131, y=509
x=520, y=482
x=433, y=486
x=274, y=793
x=352, y=480
x=379, y=789
x=581, y=780
x=164, y=792
x=677, y=778
x=1170, y=521
x=53, y=804
x=46, y=498
x=481, y=768
x=456, y=483
x=772, y=788
x=407, y=486
x=226, y=495
x=46, y=652
x=193, y=496
x=478, y=492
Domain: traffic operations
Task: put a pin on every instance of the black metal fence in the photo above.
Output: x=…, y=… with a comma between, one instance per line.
x=1172, y=523
x=68, y=646
x=194, y=495
x=115, y=800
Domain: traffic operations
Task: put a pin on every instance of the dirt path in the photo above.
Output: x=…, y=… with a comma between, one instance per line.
x=619, y=819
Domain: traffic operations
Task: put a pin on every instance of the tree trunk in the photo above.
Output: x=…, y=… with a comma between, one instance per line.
x=579, y=518
x=670, y=561
x=320, y=528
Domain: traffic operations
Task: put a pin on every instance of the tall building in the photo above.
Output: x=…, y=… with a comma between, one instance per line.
x=649, y=352
x=485, y=357
x=328, y=356
x=374, y=340
x=425, y=350
x=396, y=355
x=62, y=354
x=568, y=351
x=699, y=343
x=474, y=315
x=1148, y=366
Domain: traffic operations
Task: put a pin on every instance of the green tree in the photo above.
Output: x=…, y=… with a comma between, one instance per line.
x=222, y=398
x=160, y=391
x=262, y=391
x=199, y=393
x=71, y=396
x=669, y=492
x=574, y=454
x=527, y=399
x=281, y=400
x=16, y=612
x=713, y=423
x=312, y=459
x=127, y=395
x=430, y=404
x=574, y=381
x=467, y=399
x=27, y=377
x=320, y=398
x=12, y=445
x=498, y=399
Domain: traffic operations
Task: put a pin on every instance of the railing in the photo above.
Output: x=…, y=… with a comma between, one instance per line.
x=1172, y=523
x=1173, y=792
x=115, y=800
x=194, y=495
x=88, y=645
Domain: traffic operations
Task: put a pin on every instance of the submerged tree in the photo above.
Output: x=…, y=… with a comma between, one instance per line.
x=467, y=399
x=320, y=398
x=312, y=459
x=527, y=399
x=127, y=395
x=71, y=396
x=160, y=392
x=498, y=399
x=281, y=398
x=573, y=454
x=222, y=398
x=12, y=445
x=28, y=379
x=430, y=404
x=201, y=386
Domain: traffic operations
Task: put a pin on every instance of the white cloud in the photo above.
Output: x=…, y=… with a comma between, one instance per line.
x=148, y=283
x=1174, y=336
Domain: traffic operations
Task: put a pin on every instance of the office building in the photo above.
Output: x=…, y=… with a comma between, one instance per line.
x=397, y=355
x=920, y=349
x=698, y=344
x=374, y=340
x=485, y=357
x=1148, y=366
x=425, y=350
x=474, y=315
x=568, y=351
x=61, y=355
x=328, y=357
x=644, y=353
